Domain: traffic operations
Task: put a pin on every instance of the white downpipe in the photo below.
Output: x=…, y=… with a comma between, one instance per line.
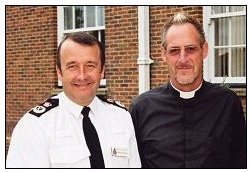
x=143, y=60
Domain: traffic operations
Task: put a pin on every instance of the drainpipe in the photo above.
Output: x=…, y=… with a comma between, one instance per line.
x=143, y=60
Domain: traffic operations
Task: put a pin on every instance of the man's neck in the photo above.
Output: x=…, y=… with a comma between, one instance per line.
x=186, y=94
x=186, y=87
x=187, y=91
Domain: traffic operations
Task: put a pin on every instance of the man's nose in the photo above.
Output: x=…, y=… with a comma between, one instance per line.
x=82, y=73
x=183, y=56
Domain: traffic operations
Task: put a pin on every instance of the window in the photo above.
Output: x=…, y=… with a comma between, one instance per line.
x=89, y=19
x=225, y=28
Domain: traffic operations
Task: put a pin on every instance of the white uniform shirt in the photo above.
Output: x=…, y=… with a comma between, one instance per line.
x=56, y=139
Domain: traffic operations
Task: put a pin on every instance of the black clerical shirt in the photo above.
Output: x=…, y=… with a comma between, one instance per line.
x=206, y=131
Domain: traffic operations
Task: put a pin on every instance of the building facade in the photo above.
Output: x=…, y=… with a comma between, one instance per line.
x=132, y=38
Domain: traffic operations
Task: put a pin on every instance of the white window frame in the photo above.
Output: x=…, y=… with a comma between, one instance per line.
x=208, y=65
x=61, y=31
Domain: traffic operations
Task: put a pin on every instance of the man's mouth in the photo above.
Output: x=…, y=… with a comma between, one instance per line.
x=184, y=67
x=81, y=84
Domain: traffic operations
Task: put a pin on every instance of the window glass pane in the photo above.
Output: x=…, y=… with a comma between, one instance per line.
x=236, y=8
x=221, y=62
x=90, y=16
x=238, y=66
x=218, y=9
x=79, y=17
x=99, y=34
x=238, y=33
x=221, y=31
x=100, y=16
x=68, y=20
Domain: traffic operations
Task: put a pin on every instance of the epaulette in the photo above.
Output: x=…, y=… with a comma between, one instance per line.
x=113, y=102
x=44, y=107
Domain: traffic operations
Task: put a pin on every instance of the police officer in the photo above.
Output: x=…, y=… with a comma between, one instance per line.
x=76, y=129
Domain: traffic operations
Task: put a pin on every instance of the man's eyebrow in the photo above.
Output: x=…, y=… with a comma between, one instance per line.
x=70, y=63
x=191, y=45
x=174, y=47
x=178, y=47
x=92, y=62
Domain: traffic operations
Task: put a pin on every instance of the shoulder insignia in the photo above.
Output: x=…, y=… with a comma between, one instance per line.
x=113, y=102
x=44, y=107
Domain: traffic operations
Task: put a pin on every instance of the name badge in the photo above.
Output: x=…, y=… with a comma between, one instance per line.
x=119, y=152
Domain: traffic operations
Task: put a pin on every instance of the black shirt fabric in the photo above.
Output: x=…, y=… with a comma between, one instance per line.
x=206, y=131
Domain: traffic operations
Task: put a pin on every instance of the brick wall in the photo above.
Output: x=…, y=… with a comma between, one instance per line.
x=31, y=35
x=121, y=39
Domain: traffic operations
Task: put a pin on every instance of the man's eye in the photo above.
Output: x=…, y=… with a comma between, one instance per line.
x=71, y=67
x=90, y=66
x=173, y=51
x=190, y=49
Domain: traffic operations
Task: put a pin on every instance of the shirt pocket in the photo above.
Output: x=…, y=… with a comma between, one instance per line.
x=120, y=149
x=70, y=156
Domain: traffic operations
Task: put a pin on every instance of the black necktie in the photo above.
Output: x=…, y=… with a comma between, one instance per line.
x=92, y=140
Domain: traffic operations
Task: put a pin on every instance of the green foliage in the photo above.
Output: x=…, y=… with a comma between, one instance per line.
x=224, y=84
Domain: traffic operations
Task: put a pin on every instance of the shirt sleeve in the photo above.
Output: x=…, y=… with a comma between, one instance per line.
x=28, y=147
x=134, y=161
x=134, y=114
x=239, y=136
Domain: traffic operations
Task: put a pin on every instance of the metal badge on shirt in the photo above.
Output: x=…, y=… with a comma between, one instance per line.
x=119, y=152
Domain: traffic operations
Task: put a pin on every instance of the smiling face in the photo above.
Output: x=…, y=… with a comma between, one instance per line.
x=80, y=72
x=184, y=55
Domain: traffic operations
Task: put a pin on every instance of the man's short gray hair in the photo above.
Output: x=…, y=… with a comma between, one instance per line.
x=182, y=18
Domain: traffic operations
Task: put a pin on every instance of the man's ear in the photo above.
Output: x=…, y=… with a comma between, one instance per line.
x=163, y=54
x=103, y=72
x=205, y=50
x=59, y=73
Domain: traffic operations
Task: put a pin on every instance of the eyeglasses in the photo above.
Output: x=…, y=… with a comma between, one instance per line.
x=188, y=50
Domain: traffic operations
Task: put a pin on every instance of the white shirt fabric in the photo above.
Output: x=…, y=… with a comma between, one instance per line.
x=56, y=139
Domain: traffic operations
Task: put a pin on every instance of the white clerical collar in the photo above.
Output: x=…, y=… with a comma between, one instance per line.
x=188, y=94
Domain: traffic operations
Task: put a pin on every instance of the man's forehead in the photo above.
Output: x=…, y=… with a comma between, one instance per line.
x=182, y=36
x=182, y=26
x=182, y=30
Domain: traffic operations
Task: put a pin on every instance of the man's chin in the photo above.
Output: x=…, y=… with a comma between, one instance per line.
x=185, y=80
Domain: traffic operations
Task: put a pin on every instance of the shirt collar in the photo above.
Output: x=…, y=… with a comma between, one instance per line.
x=94, y=105
x=76, y=109
x=188, y=94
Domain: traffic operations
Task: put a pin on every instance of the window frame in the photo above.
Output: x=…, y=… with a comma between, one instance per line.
x=61, y=31
x=209, y=62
